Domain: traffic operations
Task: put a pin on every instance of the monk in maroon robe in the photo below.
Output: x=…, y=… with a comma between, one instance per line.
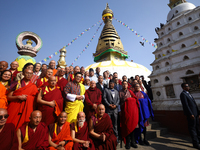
x=101, y=130
x=33, y=135
x=61, y=81
x=129, y=115
x=8, y=137
x=44, y=81
x=80, y=135
x=93, y=98
x=13, y=68
x=49, y=100
x=59, y=134
x=21, y=99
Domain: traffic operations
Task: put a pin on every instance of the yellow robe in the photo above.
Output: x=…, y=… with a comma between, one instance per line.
x=73, y=108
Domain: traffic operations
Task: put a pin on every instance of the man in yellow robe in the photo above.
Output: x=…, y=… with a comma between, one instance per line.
x=74, y=91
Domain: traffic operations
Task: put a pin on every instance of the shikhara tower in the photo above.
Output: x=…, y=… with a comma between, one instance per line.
x=110, y=54
x=177, y=60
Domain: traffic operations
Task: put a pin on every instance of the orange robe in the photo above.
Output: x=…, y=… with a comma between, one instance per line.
x=19, y=111
x=54, y=72
x=3, y=97
x=64, y=135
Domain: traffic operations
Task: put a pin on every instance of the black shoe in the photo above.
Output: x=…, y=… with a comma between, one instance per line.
x=127, y=146
x=134, y=145
x=141, y=142
x=146, y=142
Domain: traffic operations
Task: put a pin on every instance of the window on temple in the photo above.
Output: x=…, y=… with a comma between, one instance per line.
x=178, y=23
x=168, y=52
x=196, y=28
x=169, y=29
x=189, y=72
x=159, y=55
x=167, y=64
x=180, y=33
x=168, y=40
x=183, y=46
x=158, y=93
x=193, y=82
x=189, y=18
x=161, y=43
x=155, y=81
x=162, y=33
x=167, y=78
x=169, y=89
x=185, y=57
x=157, y=67
x=176, y=11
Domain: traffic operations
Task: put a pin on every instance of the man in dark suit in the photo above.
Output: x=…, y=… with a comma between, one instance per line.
x=191, y=111
x=111, y=101
x=117, y=86
x=100, y=85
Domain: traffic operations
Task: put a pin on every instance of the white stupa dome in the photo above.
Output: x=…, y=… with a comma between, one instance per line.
x=179, y=9
x=122, y=68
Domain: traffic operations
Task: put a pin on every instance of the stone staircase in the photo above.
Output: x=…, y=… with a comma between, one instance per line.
x=154, y=130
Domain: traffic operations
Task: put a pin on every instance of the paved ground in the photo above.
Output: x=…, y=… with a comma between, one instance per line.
x=166, y=142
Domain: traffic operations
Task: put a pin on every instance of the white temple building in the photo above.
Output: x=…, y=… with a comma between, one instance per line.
x=177, y=60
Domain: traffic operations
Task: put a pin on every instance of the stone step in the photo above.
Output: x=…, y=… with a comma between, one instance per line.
x=154, y=133
x=153, y=125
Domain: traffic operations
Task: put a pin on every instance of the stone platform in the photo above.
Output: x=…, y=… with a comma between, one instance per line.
x=166, y=142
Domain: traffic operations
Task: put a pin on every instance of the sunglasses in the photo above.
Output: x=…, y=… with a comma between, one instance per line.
x=4, y=116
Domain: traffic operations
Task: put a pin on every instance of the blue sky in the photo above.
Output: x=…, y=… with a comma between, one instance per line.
x=58, y=22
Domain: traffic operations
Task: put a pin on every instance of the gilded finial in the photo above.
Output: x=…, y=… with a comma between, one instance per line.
x=107, y=6
x=29, y=42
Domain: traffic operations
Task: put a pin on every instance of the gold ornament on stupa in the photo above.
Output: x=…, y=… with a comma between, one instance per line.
x=109, y=45
x=61, y=61
x=174, y=3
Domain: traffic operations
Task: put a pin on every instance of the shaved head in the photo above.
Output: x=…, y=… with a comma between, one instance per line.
x=81, y=114
x=52, y=81
x=101, y=106
x=3, y=110
x=3, y=65
x=4, y=115
x=35, y=118
x=52, y=78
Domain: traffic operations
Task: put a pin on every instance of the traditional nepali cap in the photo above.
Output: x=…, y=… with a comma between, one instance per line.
x=91, y=69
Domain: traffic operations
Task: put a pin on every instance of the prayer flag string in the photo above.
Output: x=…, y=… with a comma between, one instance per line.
x=88, y=44
x=57, y=52
x=144, y=39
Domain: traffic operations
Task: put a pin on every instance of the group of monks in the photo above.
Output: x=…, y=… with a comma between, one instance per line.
x=48, y=111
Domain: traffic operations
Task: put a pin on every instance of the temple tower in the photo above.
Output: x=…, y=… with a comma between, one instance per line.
x=109, y=45
x=61, y=61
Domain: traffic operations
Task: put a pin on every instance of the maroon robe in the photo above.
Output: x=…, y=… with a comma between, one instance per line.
x=8, y=138
x=92, y=96
x=82, y=134
x=38, y=140
x=14, y=74
x=104, y=125
x=61, y=83
x=48, y=112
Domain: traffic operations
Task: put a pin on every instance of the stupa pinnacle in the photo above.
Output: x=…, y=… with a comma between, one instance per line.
x=109, y=45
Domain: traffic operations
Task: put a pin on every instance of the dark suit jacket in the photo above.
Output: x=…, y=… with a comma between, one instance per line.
x=119, y=87
x=189, y=105
x=108, y=99
x=100, y=88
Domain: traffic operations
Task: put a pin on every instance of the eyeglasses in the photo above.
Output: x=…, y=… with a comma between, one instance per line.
x=78, y=76
x=4, y=116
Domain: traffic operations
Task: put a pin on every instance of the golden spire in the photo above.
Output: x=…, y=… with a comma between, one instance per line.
x=174, y=3
x=61, y=61
x=29, y=42
x=109, y=45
